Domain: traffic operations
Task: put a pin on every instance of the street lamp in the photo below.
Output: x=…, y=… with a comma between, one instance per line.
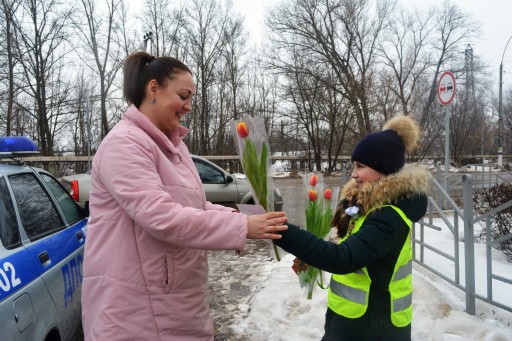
x=147, y=36
x=500, y=110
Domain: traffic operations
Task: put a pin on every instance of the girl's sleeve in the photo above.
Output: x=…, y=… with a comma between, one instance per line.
x=380, y=232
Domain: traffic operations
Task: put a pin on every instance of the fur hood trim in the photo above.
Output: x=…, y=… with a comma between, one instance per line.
x=411, y=180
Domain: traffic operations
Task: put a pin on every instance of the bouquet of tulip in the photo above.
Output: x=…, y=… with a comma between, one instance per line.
x=253, y=149
x=318, y=214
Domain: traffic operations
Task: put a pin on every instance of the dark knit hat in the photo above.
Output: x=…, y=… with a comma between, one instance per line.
x=385, y=150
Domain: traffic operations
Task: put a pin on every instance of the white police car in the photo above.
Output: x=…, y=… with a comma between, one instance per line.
x=42, y=235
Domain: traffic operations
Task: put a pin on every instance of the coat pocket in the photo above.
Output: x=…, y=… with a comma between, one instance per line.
x=168, y=278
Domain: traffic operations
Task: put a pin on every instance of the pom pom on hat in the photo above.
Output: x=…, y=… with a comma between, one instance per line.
x=384, y=150
x=407, y=128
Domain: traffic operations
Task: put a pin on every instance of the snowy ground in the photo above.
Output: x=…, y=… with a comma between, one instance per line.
x=256, y=298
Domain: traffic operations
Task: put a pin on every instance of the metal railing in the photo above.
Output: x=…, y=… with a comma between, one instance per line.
x=443, y=208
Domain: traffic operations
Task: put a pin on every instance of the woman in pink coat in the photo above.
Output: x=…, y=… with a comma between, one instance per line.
x=145, y=268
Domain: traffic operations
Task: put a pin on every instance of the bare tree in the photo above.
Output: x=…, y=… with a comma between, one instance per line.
x=466, y=123
x=338, y=116
x=23, y=123
x=164, y=22
x=261, y=96
x=100, y=35
x=234, y=52
x=9, y=8
x=314, y=106
x=41, y=30
x=404, y=52
x=304, y=93
x=341, y=33
x=126, y=39
x=84, y=129
x=207, y=30
x=386, y=101
x=507, y=122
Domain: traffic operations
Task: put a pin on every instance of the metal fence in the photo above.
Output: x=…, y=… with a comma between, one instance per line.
x=443, y=205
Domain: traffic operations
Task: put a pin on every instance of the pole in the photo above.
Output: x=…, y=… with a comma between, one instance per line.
x=469, y=244
x=500, y=109
x=500, y=118
x=446, y=145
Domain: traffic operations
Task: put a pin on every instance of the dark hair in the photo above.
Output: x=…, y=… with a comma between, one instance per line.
x=140, y=68
x=341, y=220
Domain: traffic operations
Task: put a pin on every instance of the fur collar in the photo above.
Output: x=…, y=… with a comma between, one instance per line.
x=412, y=179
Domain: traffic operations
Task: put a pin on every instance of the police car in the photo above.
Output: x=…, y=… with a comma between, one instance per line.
x=42, y=234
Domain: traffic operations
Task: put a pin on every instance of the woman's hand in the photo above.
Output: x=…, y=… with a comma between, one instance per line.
x=266, y=226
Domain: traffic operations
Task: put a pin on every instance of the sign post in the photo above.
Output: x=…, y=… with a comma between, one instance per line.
x=445, y=94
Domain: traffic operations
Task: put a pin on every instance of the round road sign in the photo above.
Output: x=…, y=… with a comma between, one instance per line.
x=446, y=88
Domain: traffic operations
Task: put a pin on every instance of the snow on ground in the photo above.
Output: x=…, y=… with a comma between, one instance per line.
x=256, y=298
x=280, y=311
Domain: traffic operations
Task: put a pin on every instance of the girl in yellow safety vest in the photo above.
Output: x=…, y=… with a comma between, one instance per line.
x=370, y=292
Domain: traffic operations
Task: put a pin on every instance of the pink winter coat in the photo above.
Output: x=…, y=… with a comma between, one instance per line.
x=145, y=267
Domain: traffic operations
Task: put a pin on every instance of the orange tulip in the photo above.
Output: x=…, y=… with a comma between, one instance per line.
x=312, y=195
x=255, y=160
x=318, y=222
x=313, y=180
x=242, y=129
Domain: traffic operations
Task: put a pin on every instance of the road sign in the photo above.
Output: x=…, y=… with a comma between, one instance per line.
x=446, y=88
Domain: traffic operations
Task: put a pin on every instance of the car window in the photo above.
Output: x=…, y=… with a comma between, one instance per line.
x=66, y=203
x=37, y=212
x=9, y=231
x=209, y=174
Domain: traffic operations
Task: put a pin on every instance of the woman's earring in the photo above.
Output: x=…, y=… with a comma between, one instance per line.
x=153, y=101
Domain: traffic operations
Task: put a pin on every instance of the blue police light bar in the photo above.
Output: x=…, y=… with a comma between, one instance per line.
x=17, y=146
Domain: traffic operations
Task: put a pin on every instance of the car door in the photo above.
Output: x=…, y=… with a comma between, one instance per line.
x=216, y=188
x=27, y=310
x=53, y=234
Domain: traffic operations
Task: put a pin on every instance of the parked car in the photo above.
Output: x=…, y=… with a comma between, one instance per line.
x=42, y=234
x=79, y=186
x=227, y=189
x=220, y=186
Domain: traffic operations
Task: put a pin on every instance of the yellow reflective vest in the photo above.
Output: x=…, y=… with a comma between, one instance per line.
x=348, y=294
